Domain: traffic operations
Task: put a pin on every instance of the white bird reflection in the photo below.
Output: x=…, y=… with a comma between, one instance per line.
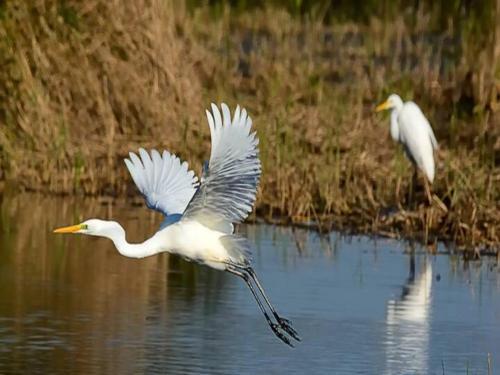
x=408, y=324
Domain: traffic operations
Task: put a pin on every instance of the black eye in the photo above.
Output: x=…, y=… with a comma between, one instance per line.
x=84, y=226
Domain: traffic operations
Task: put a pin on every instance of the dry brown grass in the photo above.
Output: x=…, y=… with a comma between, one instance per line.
x=86, y=82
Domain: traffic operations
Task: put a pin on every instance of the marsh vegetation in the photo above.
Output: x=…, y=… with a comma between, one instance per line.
x=81, y=84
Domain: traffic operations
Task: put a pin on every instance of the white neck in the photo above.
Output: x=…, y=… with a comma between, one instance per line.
x=151, y=246
x=394, y=124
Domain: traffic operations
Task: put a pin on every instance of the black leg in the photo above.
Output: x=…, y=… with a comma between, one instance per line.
x=275, y=328
x=427, y=190
x=413, y=187
x=285, y=324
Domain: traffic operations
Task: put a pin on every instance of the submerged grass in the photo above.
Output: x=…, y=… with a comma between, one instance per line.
x=84, y=83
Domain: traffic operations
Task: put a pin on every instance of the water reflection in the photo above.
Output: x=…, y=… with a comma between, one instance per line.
x=408, y=323
x=74, y=305
x=55, y=289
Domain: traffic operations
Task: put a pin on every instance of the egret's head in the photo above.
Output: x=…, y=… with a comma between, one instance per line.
x=393, y=101
x=93, y=227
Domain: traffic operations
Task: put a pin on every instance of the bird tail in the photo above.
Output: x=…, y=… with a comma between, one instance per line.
x=428, y=167
x=238, y=249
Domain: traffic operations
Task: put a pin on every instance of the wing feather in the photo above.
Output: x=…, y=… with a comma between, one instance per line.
x=166, y=184
x=418, y=138
x=229, y=183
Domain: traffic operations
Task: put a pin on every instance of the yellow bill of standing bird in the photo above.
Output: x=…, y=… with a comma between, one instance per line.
x=411, y=128
x=199, y=216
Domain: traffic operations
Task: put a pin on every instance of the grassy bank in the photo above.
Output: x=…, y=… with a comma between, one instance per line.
x=84, y=83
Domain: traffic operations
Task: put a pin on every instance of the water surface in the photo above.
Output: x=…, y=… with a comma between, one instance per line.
x=72, y=304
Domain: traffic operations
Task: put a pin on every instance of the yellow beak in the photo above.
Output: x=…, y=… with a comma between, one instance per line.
x=70, y=229
x=382, y=106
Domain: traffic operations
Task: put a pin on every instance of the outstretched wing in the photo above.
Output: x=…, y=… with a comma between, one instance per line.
x=165, y=182
x=229, y=181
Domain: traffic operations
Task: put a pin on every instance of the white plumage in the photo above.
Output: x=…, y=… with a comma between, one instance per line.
x=167, y=185
x=411, y=128
x=199, y=217
x=229, y=183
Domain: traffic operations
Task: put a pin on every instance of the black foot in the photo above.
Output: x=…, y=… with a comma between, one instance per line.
x=286, y=326
x=279, y=334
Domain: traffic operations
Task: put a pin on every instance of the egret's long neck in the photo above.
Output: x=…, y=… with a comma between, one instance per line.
x=394, y=124
x=149, y=247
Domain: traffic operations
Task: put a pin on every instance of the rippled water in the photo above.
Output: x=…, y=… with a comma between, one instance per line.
x=72, y=304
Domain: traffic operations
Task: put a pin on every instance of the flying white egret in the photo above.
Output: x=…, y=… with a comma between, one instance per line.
x=411, y=128
x=199, y=217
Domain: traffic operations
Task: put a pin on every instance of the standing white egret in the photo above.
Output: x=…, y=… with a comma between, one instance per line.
x=411, y=128
x=199, y=217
